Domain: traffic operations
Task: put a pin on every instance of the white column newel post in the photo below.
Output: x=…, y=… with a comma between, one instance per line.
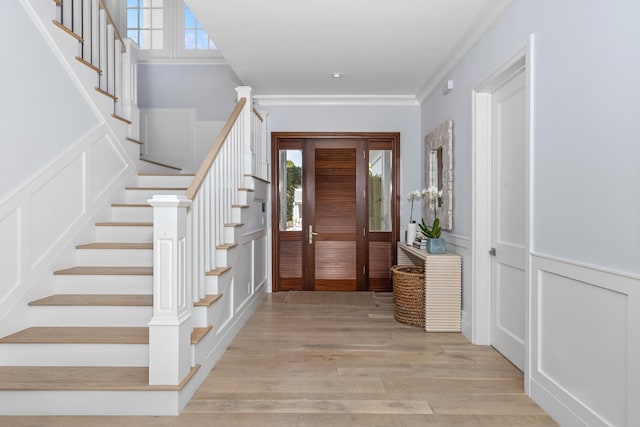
x=245, y=118
x=171, y=325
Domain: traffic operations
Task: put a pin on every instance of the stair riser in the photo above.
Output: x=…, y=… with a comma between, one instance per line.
x=214, y=284
x=206, y=316
x=142, y=196
x=80, y=284
x=132, y=214
x=74, y=355
x=90, y=316
x=164, y=181
x=115, y=257
x=124, y=234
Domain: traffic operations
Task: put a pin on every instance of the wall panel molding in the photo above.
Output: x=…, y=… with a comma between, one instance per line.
x=46, y=217
x=585, y=343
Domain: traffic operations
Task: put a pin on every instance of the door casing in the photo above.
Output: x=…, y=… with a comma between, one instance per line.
x=480, y=327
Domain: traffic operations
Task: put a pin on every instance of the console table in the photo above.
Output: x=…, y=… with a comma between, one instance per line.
x=443, y=287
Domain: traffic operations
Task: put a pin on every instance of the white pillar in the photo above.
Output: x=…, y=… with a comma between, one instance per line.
x=245, y=117
x=170, y=327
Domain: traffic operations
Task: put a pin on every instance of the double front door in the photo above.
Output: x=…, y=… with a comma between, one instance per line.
x=335, y=211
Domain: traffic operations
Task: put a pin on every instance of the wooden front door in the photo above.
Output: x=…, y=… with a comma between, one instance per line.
x=335, y=214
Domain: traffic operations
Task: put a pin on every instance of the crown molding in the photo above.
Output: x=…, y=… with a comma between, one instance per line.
x=459, y=52
x=337, y=100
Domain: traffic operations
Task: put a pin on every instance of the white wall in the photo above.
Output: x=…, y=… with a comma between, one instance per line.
x=42, y=112
x=403, y=119
x=209, y=88
x=585, y=205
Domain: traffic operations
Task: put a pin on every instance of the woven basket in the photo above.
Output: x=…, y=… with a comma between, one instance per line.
x=408, y=293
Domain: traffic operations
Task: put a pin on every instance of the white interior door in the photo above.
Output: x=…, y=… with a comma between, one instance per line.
x=508, y=219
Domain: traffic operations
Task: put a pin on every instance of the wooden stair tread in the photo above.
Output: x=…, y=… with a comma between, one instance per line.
x=68, y=31
x=157, y=188
x=258, y=178
x=107, y=271
x=79, y=335
x=115, y=245
x=160, y=164
x=165, y=174
x=246, y=189
x=240, y=206
x=107, y=94
x=82, y=378
x=122, y=119
x=227, y=246
x=95, y=300
x=88, y=64
x=234, y=224
x=219, y=271
x=130, y=205
x=124, y=224
x=134, y=140
x=198, y=333
x=207, y=300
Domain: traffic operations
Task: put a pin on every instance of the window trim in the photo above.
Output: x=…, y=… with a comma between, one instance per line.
x=173, y=50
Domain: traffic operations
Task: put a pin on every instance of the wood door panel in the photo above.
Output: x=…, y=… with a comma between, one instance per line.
x=380, y=260
x=335, y=161
x=290, y=258
x=336, y=285
x=335, y=260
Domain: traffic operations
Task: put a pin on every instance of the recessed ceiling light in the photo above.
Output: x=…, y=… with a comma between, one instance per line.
x=336, y=75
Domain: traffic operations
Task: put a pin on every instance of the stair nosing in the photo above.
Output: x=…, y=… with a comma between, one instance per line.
x=104, y=271
x=78, y=335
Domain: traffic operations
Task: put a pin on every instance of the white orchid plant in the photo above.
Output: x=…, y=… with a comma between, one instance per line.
x=432, y=194
x=412, y=196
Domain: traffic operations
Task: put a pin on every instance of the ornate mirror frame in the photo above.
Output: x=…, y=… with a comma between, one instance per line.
x=438, y=172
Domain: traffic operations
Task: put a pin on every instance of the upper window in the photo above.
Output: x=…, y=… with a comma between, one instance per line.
x=167, y=29
x=195, y=37
x=145, y=23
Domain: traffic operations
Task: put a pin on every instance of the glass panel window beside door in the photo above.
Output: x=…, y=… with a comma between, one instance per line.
x=290, y=188
x=380, y=190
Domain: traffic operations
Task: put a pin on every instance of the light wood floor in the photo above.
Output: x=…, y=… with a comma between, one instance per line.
x=339, y=365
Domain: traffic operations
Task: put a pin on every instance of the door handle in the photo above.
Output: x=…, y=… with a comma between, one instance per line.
x=492, y=252
x=311, y=234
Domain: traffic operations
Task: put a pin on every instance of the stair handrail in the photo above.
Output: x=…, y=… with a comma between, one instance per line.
x=205, y=166
x=188, y=232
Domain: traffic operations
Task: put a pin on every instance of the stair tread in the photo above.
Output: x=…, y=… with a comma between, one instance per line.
x=198, y=333
x=234, y=224
x=130, y=205
x=134, y=140
x=81, y=378
x=157, y=188
x=207, y=300
x=117, y=271
x=218, y=271
x=124, y=224
x=79, y=335
x=227, y=246
x=160, y=163
x=165, y=174
x=125, y=300
x=115, y=245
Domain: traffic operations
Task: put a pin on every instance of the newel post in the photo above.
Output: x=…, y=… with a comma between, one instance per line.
x=171, y=325
x=249, y=150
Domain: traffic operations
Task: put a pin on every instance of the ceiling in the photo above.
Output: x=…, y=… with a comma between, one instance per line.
x=398, y=49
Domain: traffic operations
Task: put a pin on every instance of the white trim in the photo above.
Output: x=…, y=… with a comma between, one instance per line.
x=337, y=100
x=481, y=195
x=459, y=52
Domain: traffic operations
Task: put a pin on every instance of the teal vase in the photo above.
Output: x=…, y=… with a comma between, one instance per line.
x=436, y=246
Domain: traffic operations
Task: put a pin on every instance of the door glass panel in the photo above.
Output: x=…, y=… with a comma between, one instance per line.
x=290, y=188
x=380, y=190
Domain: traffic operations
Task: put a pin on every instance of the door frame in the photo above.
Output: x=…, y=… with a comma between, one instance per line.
x=481, y=196
x=275, y=225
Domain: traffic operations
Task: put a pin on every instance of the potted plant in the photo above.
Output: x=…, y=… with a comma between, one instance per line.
x=435, y=244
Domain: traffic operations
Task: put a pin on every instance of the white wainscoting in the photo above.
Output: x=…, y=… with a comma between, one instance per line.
x=174, y=136
x=42, y=221
x=585, y=343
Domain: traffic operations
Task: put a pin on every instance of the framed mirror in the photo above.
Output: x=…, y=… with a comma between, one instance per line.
x=439, y=174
